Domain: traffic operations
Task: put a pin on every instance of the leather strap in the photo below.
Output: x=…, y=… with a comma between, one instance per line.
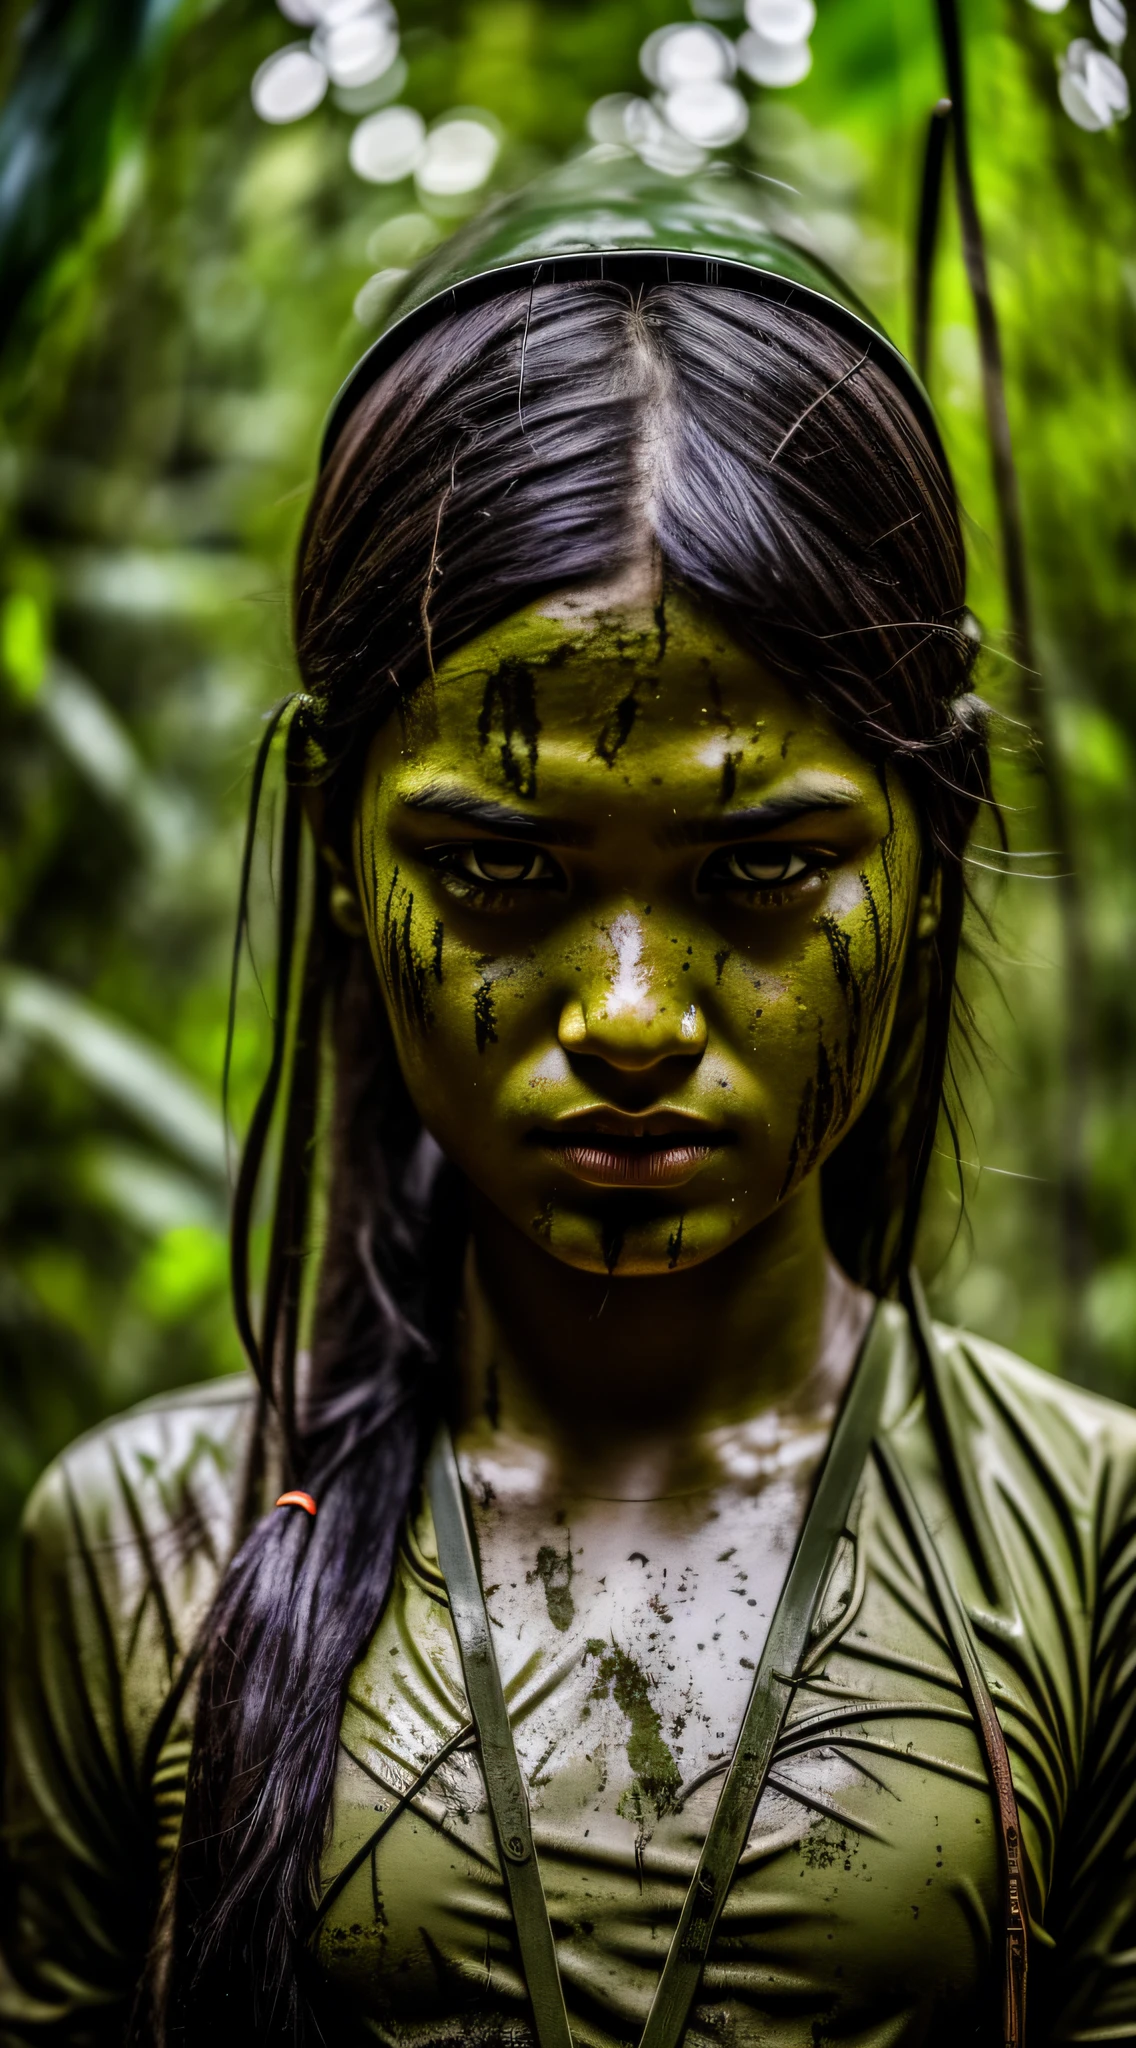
x=508, y=1798
x=773, y=1687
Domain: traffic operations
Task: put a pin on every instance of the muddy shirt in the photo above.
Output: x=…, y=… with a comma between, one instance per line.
x=866, y=1907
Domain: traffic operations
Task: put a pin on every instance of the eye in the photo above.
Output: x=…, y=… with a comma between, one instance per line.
x=494, y=865
x=757, y=867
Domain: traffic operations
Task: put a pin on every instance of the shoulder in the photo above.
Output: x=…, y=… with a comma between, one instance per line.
x=1081, y=1446
x=125, y=1538
x=174, y=1456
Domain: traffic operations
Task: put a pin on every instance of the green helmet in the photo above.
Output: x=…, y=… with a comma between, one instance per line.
x=608, y=215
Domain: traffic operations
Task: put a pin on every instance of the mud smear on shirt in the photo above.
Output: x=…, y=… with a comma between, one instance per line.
x=554, y=1570
x=657, y=1777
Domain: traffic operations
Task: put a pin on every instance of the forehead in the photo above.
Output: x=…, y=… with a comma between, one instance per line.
x=551, y=706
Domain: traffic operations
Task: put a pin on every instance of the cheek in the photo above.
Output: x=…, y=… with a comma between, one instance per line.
x=450, y=1003
x=407, y=938
x=813, y=1029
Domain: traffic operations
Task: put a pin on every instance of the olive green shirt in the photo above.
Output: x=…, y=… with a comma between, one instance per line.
x=867, y=1905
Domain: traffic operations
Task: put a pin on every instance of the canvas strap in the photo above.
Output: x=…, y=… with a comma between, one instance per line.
x=504, y=1785
x=773, y=1687
x=855, y=1434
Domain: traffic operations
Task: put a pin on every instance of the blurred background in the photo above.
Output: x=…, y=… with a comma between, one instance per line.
x=204, y=205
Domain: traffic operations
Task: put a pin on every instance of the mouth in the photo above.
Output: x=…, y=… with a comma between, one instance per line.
x=608, y=1150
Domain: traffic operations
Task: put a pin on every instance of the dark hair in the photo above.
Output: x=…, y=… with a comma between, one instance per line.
x=526, y=445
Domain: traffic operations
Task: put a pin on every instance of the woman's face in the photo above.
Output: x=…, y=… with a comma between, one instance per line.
x=639, y=916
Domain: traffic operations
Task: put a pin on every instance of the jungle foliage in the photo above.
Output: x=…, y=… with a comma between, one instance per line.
x=177, y=281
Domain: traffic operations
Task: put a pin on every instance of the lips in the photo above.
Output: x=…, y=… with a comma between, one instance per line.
x=607, y=1150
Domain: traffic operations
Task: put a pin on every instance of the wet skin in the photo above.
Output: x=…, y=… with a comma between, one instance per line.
x=639, y=916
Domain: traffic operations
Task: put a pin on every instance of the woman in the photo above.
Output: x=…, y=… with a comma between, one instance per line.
x=662, y=1633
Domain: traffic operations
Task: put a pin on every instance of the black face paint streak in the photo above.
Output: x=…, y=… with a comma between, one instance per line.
x=800, y=1145
x=840, y=947
x=617, y=728
x=510, y=690
x=661, y=626
x=492, y=1395
x=361, y=868
x=404, y=972
x=484, y=1019
x=720, y=960
x=785, y=745
x=874, y=914
x=542, y=1223
x=611, y=1242
x=885, y=862
x=438, y=942
x=721, y=715
x=674, y=1245
x=825, y=1105
x=730, y=766
x=554, y=1570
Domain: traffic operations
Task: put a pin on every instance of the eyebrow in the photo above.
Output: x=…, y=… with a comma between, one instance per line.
x=442, y=801
x=803, y=801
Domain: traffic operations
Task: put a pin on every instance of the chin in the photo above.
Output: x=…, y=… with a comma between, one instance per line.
x=622, y=1243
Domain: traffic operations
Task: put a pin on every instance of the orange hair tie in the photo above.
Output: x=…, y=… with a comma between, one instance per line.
x=297, y=1500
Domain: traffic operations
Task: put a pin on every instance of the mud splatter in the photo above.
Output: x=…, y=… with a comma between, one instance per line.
x=509, y=707
x=827, y=1844
x=554, y=1570
x=674, y=1245
x=404, y=972
x=438, y=942
x=484, y=1015
x=617, y=728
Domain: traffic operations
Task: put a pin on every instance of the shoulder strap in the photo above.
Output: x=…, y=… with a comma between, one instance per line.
x=957, y=1624
x=773, y=1688
x=508, y=1798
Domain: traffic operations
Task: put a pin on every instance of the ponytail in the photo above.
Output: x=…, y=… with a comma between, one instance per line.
x=303, y=1594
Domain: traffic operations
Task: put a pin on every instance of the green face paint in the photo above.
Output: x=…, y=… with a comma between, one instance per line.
x=639, y=916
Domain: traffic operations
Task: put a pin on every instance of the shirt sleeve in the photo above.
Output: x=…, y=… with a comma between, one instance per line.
x=81, y=1876
x=1086, y=1987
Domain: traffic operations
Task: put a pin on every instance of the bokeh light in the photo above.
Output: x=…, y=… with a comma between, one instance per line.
x=388, y=145
x=773, y=63
x=1092, y=87
x=289, y=84
x=460, y=151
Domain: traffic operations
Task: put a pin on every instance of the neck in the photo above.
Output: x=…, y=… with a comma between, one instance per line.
x=593, y=1373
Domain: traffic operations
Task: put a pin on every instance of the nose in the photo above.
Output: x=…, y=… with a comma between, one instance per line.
x=625, y=1013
